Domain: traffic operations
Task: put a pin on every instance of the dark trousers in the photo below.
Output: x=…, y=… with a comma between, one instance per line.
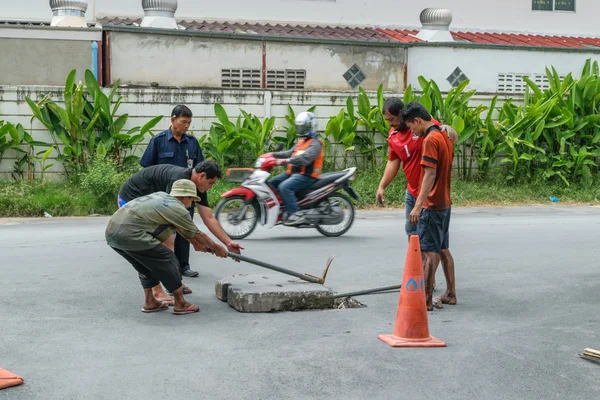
x=182, y=248
x=154, y=266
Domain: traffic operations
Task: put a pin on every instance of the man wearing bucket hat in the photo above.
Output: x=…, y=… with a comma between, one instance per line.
x=160, y=178
x=138, y=229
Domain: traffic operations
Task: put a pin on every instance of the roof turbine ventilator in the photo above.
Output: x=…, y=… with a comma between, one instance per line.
x=159, y=14
x=436, y=25
x=69, y=13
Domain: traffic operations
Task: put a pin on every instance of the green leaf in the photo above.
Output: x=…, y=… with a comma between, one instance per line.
x=69, y=87
x=380, y=99
x=350, y=107
x=538, y=130
x=466, y=134
x=62, y=114
x=120, y=122
x=559, y=122
x=533, y=87
x=458, y=124
x=526, y=156
x=221, y=114
x=364, y=106
x=408, y=95
x=424, y=83
x=425, y=100
x=100, y=151
x=91, y=83
x=47, y=153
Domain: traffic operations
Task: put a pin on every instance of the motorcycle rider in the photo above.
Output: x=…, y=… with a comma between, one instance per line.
x=304, y=161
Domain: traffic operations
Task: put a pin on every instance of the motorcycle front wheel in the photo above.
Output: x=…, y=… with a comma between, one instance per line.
x=337, y=202
x=237, y=218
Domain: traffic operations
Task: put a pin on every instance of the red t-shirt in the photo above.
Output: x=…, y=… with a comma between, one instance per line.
x=407, y=147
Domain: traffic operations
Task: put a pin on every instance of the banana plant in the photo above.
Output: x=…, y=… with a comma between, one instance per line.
x=341, y=130
x=72, y=125
x=453, y=109
x=224, y=140
x=11, y=138
x=113, y=141
x=258, y=135
x=372, y=141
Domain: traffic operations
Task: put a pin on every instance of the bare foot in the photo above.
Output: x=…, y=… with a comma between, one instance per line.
x=448, y=298
x=152, y=304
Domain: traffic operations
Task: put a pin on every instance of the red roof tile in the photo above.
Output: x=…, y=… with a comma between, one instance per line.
x=499, y=38
x=309, y=31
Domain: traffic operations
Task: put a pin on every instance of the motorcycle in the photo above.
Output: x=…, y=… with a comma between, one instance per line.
x=323, y=204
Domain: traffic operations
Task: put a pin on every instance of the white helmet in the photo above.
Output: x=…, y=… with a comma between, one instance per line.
x=306, y=124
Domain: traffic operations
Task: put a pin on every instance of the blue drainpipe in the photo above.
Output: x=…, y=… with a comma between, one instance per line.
x=95, y=59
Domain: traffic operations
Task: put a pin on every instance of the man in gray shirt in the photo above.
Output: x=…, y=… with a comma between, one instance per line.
x=304, y=161
x=138, y=229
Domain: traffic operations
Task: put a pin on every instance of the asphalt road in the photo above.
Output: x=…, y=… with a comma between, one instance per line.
x=528, y=282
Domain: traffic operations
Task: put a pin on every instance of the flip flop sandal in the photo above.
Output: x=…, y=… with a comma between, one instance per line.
x=190, y=310
x=170, y=302
x=186, y=290
x=162, y=307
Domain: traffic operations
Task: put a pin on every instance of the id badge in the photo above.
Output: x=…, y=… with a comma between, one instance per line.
x=189, y=160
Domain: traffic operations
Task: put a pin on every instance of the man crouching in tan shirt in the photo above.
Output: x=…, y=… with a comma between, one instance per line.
x=136, y=231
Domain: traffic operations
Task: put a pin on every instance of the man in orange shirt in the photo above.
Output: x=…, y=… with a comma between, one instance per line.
x=432, y=208
x=405, y=151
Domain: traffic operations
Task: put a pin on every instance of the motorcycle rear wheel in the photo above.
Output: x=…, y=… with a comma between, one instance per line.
x=227, y=213
x=346, y=224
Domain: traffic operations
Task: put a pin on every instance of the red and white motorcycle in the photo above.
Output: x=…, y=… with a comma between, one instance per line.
x=324, y=206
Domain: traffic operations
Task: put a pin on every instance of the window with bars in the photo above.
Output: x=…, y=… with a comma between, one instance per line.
x=553, y=5
x=286, y=79
x=511, y=83
x=240, y=78
x=514, y=83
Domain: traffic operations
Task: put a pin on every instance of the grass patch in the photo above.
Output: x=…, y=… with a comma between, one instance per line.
x=96, y=194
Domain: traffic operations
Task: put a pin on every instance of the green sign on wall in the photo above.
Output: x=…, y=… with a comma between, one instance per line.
x=542, y=5
x=564, y=5
x=553, y=5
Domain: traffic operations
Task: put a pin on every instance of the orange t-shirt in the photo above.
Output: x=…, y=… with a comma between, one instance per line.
x=438, y=152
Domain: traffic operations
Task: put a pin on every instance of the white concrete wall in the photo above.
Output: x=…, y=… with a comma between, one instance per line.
x=491, y=14
x=482, y=66
x=325, y=65
x=188, y=61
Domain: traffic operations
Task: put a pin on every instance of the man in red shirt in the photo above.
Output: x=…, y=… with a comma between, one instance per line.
x=433, y=205
x=405, y=148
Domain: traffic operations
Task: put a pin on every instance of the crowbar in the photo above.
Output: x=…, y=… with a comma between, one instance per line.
x=305, y=277
x=591, y=354
x=379, y=290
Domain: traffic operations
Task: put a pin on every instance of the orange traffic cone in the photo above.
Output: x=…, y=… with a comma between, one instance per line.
x=8, y=379
x=412, y=326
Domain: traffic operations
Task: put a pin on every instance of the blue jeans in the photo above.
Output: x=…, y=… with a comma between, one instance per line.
x=409, y=203
x=288, y=186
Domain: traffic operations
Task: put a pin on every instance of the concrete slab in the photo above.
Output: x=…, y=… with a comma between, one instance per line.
x=271, y=293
